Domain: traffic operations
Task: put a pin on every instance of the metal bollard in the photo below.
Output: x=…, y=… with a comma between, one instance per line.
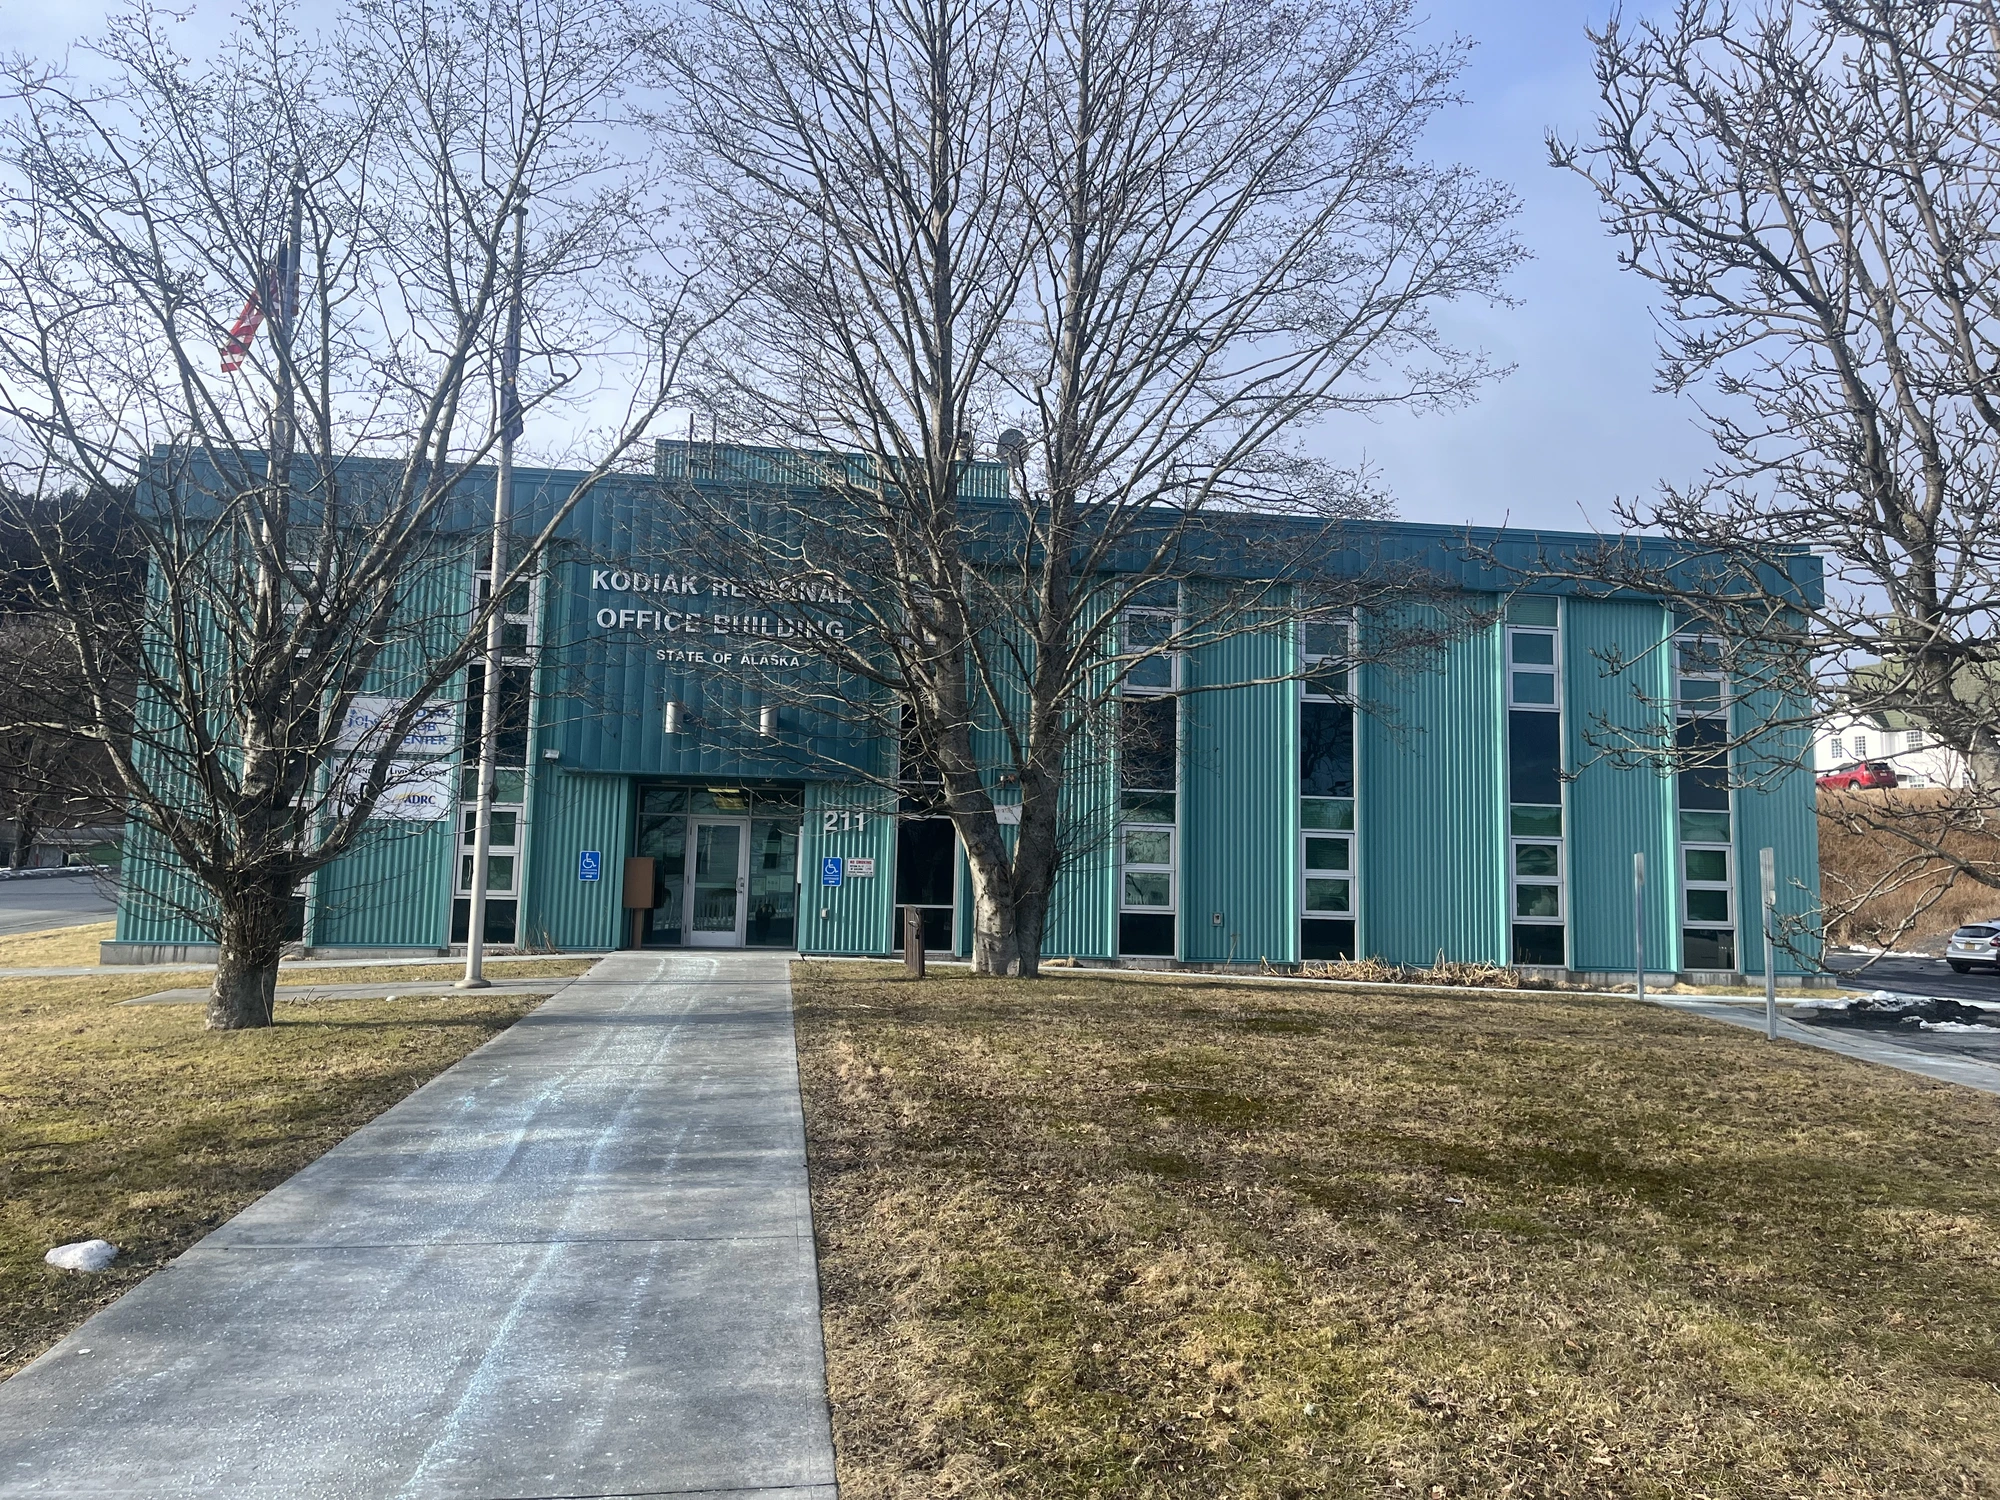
x=913, y=943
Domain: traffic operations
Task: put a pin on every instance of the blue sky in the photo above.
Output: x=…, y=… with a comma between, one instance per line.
x=1577, y=423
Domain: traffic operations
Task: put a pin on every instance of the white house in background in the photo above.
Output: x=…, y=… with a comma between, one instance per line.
x=1919, y=760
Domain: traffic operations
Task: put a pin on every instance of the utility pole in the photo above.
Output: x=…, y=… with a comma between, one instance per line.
x=496, y=622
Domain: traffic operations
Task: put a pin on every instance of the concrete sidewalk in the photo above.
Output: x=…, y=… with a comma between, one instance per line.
x=579, y=1263
x=1941, y=1063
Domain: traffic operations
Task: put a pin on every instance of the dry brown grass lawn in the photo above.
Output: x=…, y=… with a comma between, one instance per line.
x=135, y=1125
x=54, y=947
x=1095, y=1237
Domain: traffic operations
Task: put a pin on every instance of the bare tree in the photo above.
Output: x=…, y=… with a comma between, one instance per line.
x=1815, y=189
x=328, y=216
x=1144, y=248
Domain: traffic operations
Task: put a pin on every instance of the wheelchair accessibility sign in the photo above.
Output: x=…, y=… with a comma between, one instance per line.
x=829, y=870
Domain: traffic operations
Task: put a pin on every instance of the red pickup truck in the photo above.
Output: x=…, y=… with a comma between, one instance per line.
x=1860, y=777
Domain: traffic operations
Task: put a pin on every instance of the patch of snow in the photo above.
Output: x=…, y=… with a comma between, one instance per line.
x=1952, y=1026
x=84, y=1255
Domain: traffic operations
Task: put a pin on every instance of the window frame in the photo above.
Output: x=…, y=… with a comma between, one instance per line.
x=1171, y=869
x=1559, y=882
x=1350, y=875
x=1551, y=669
x=1727, y=885
x=1719, y=705
x=461, y=887
x=529, y=619
x=1343, y=626
x=1175, y=659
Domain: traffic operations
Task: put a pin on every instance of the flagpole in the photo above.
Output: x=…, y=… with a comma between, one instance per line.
x=489, y=713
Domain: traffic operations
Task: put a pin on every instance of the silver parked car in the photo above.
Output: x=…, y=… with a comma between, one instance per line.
x=1974, y=943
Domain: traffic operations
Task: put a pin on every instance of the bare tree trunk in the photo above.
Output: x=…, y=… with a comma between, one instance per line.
x=1010, y=896
x=249, y=941
x=27, y=827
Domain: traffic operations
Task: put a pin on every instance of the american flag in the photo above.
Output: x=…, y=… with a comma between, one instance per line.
x=271, y=288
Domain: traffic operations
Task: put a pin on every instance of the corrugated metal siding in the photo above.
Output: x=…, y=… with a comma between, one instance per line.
x=1432, y=814
x=852, y=917
x=1777, y=808
x=392, y=891
x=157, y=901
x=1239, y=784
x=1616, y=810
x=605, y=703
x=1083, y=907
x=568, y=814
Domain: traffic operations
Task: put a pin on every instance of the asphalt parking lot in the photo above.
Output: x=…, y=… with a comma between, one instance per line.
x=54, y=901
x=1913, y=976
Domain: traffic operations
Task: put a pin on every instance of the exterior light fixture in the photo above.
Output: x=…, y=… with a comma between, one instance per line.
x=674, y=719
x=767, y=721
x=552, y=755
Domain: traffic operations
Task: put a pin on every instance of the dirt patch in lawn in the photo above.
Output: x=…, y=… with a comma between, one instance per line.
x=135, y=1125
x=1097, y=1237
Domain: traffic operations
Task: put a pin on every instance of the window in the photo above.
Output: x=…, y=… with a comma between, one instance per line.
x=1861, y=747
x=1701, y=785
x=1147, y=860
x=1707, y=908
x=1326, y=749
x=1326, y=890
x=1700, y=685
x=1537, y=879
x=1532, y=671
x=1143, y=635
x=1913, y=739
x=503, y=867
x=1326, y=894
x=920, y=784
x=1148, y=789
x=926, y=879
x=517, y=634
x=1836, y=749
x=1326, y=648
x=1533, y=643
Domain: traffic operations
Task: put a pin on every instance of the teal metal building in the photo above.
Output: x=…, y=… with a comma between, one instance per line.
x=1295, y=801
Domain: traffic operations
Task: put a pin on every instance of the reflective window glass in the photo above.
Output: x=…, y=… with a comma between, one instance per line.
x=1710, y=865
x=1537, y=901
x=1708, y=906
x=1326, y=854
x=1537, y=860
x=1532, y=648
x=1327, y=895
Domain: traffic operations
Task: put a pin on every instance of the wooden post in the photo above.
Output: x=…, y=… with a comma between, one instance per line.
x=640, y=896
x=913, y=942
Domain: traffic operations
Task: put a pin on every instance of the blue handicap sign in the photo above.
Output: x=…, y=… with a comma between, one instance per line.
x=589, y=865
x=829, y=870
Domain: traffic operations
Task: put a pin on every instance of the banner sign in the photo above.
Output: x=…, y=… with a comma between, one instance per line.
x=434, y=731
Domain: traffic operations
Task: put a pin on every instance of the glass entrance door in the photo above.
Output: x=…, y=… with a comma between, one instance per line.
x=715, y=886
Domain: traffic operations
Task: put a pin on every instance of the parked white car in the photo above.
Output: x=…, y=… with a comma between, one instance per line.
x=1974, y=943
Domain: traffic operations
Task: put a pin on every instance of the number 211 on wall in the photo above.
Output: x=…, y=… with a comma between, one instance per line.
x=849, y=820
